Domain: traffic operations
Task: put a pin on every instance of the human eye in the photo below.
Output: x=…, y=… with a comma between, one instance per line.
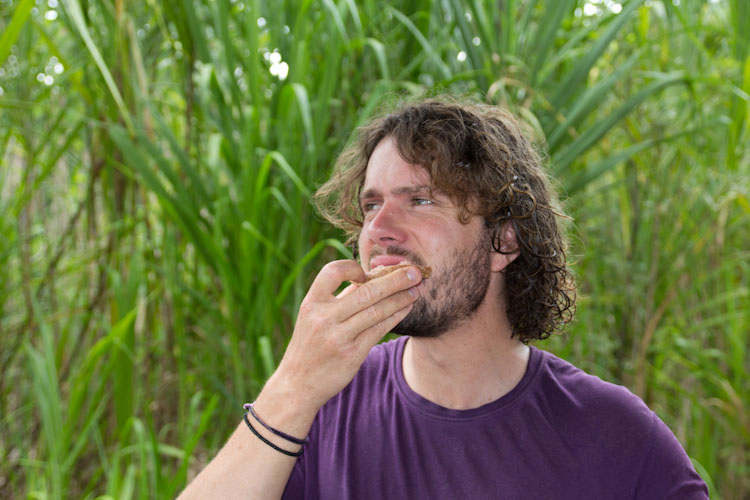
x=422, y=201
x=369, y=206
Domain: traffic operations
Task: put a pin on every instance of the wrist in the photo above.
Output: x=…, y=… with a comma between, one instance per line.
x=296, y=388
x=285, y=407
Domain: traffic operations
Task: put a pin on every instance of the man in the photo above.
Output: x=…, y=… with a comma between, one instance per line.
x=460, y=406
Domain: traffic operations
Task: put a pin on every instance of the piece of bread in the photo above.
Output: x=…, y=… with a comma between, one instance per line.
x=383, y=270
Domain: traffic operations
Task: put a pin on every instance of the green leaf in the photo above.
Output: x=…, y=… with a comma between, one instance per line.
x=565, y=158
x=574, y=82
x=10, y=34
x=74, y=11
x=426, y=45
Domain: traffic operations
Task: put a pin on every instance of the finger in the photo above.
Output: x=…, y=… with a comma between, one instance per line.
x=371, y=336
x=346, y=291
x=332, y=275
x=378, y=312
x=351, y=288
x=372, y=292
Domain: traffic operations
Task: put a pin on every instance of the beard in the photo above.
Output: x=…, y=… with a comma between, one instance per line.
x=453, y=293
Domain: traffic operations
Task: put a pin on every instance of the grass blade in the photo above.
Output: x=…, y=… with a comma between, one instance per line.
x=12, y=30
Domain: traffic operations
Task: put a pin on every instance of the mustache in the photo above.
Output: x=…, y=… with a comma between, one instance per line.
x=399, y=252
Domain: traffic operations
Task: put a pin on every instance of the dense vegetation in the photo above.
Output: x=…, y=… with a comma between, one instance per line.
x=156, y=238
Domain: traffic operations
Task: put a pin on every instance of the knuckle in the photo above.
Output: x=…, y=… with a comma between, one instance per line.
x=306, y=308
x=337, y=346
x=341, y=269
x=368, y=294
x=312, y=316
x=320, y=321
x=339, y=266
x=332, y=268
x=375, y=314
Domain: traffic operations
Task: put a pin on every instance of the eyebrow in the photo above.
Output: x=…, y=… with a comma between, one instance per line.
x=422, y=188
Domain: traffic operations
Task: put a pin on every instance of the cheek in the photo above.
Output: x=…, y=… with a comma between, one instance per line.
x=451, y=243
x=436, y=240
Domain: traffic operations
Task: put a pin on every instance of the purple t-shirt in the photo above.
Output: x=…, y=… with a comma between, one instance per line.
x=559, y=434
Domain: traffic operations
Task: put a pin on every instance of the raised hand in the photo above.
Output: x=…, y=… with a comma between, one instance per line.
x=333, y=334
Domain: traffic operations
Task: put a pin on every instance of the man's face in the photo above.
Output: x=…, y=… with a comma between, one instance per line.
x=405, y=223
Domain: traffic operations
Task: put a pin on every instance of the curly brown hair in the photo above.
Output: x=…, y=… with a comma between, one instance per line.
x=478, y=156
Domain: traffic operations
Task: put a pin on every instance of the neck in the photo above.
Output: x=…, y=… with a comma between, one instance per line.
x=470, y=366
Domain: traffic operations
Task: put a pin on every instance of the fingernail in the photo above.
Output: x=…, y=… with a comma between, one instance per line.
x=413, y=292
x=412, y=274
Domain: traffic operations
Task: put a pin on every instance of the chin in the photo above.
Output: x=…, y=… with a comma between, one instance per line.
x=421, y=322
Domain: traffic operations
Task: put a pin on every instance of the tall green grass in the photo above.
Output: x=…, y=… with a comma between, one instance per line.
x=157, y=234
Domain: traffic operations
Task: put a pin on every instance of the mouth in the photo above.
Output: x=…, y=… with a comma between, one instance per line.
x=387, y=260
x=383, y=270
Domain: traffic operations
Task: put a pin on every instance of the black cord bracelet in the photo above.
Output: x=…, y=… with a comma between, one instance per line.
x=249, y=407
x=269, y=443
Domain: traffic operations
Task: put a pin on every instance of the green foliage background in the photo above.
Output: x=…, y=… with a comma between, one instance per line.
x=156, y=238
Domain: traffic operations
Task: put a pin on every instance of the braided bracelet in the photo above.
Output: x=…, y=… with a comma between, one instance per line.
x=249, y=407
x=269, y=443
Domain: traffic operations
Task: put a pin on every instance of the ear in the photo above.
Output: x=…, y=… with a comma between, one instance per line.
x=509, y=245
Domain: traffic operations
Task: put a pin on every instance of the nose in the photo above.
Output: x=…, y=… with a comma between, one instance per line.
x=388, y=225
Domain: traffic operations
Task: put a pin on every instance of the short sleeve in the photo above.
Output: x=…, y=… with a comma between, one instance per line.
x=295, y=486
x=667, y=472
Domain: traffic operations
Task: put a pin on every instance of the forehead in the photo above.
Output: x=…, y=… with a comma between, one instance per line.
x=386, y=168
